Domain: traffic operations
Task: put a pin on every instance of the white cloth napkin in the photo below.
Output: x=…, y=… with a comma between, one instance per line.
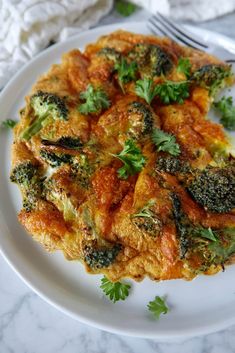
x=28, y=26
x=193, y=10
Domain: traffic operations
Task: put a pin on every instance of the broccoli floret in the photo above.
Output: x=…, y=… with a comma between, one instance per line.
x=67, y=142
x=62, y=199
x=99, y=257
x=214, y=189
x=47, y=108
x=31, y=183
x=81, y=170
x=146, y=220
x=172, y=165
x=213, y=251
x=212, y=77
x=56, y=159
x=110, y=54
x=183, y=225
x=142, y=122
x=152, y=60
x=23, y=173
x=150, y=226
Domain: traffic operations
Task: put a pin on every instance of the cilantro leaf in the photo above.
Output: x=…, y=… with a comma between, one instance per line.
x=207, y=233
x=171, y=91
x=126, y=72
x=227, y=109
x=95, y=100
x=8, y=124
x=125, y=8
x=184, y=66
x=115, y=291
x=132, y=158
x=165, y=142
x=145, y=89
x=158, y=307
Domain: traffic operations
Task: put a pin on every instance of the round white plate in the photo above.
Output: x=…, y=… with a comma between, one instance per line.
x=204, y=305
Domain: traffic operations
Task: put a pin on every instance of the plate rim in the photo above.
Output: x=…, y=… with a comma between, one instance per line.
x=24, y=276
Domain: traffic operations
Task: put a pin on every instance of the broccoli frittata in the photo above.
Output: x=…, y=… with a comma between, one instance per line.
x=119, y=165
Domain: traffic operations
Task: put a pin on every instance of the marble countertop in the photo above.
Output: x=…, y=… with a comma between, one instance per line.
x=30, y=325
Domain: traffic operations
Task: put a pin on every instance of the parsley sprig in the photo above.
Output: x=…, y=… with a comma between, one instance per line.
x=168, y=91
x=8, y=124
x=126, y=72
x=172, y=91
x=145, y=89
x=184, y=67
x=165, y=142
x=207, y=233
x=115, y=291
x=125, y=8
x=158, y=307
x=227, y=109
x=132, y=158
x=95, y=100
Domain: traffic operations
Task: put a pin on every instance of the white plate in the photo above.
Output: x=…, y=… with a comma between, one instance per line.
x=204, y=305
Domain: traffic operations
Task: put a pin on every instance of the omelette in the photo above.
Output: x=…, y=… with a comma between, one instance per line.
x=119, y=165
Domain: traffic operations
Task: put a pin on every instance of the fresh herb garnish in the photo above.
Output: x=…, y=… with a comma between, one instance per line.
x=184, y=66
x=125, y=8
x=8, y=124
x=95, y=100
x=115, y=291
x=132, y=158
x=224, y=247
x=126, y=72
x=171, y=91
x=158, y=307
x=207, y=233
x=227, y=109
x=165, y=142
x=145, y=89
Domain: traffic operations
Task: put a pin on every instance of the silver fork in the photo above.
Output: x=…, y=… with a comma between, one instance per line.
x=159, y=24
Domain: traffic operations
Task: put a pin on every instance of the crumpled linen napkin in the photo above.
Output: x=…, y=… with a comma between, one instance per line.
x=28, y=26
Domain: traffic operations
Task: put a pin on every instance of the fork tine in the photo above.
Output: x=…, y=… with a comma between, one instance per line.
x=168, y=33
x=179, y=30
x=230, y=61
x=175, y=35
x=156, y=28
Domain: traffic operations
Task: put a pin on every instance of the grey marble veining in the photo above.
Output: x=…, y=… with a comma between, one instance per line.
x=29, y=325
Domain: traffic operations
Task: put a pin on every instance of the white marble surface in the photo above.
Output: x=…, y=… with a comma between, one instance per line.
x=29, y=325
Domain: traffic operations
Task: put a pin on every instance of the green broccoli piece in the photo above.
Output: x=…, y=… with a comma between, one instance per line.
x=27, y=176
x=142, y=122
x=98, y=257
x=212, y=77
x=152, y=60
x=215, y=250
x=146, y=220
x=56, y=159
x=110, y=54
x=47, y=108
x=23, y=173
x=81, y=170
x=67, y=142
x=214, y=189
x=62, y=200
x=172, y=165
x=183, y=225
